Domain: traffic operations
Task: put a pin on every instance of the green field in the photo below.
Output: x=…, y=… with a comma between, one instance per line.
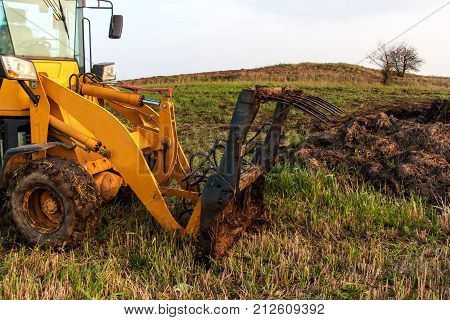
x=321, y=238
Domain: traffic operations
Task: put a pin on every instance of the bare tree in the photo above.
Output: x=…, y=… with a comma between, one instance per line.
x=382, y=57
x=405, y=58
x=395, y=59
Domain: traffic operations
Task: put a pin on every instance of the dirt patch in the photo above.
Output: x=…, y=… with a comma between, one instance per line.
x=220, y=231
x=405, y=151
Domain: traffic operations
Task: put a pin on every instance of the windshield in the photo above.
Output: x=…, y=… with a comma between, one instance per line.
x=6, y=47
x=43, y=28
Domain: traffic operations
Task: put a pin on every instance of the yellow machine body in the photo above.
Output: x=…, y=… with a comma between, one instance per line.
x=110, y=151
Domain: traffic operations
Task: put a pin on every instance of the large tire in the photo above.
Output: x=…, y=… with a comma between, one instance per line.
x=54, y=202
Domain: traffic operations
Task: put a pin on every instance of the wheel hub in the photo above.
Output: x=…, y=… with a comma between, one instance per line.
x=43, y=209
x=49, y=206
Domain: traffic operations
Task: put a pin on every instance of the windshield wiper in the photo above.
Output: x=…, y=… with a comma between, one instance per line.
x=58, y=13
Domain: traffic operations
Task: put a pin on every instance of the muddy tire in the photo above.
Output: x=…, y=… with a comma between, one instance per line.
x=54, y=202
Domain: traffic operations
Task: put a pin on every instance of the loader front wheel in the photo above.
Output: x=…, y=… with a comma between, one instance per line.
x=54, y=202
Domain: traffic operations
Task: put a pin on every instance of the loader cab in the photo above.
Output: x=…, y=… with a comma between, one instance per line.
x=52, y=30
x=56, y=36
x=42, y=30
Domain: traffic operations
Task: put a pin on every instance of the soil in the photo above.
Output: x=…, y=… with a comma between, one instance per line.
x=403, y=151
x=222, y=232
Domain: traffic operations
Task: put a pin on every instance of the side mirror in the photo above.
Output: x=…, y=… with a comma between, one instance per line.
x=116, y=27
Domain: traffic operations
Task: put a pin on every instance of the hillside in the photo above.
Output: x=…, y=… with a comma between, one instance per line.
x=210, y=97
x=303, y=72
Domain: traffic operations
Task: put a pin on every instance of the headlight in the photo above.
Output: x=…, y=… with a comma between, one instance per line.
x=14, y=68
x=105, y=71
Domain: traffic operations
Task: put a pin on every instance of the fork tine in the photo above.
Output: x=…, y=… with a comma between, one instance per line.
x=325, y=106
x=332, y=106
x=314, y=106
x=305, y=108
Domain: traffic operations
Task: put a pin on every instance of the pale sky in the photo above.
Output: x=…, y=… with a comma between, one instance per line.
x=167, y=37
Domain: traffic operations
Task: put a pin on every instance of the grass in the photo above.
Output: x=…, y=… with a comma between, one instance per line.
x=204, y=109
x=323, y=238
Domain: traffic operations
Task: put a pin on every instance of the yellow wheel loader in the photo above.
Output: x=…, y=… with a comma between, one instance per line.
x=72, y=138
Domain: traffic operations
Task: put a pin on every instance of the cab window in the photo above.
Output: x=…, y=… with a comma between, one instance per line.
x=6, y=47
x=42, y=28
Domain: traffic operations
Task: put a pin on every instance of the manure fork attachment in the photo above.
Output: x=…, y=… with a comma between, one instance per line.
x=233, y=196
